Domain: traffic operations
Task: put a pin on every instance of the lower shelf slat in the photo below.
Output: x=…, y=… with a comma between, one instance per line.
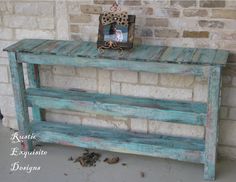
x=184, y=149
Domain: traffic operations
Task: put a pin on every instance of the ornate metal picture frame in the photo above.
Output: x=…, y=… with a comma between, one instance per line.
x=116, y=30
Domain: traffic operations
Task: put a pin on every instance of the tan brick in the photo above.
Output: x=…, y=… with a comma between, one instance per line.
x=232, y=113
x=140, y=10
x=234, y=81
x=14, y=21
x=228, y=96
x=115, y=88
x=200, y=92
x=146, y=32
x=156, y=92
x=183, y=23
x=166, y=33
x=104, y=82
x=6, y=33
x=195, y=12
x=158, y=22
x=223, y=112
x=80, y=18
x=227, y=133
x=148, y=78
x=6, y=8
x=41, y=34
x=211, y=24
x=212, y=3
x=125, y=76
x=74, y=82
x=64, y=70
x=103, y=2
x=139, y=125
x=183, y=3
x=195, y=34
x=130, y=2
x=172, y=12
x=224, y=13
x=176, y=80
x=61, y=117
x=91, y=9
x=35, y=8
x=173, y=129
x=87, y=72
x=74, y=28
x=226, y=80
x=46, y=23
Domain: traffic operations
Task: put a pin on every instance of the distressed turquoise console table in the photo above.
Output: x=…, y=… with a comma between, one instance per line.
x=156, y=59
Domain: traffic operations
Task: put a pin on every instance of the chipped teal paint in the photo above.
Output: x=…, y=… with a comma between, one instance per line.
x=122, y=106
x=18, y=85
x=156, y=59
x=183, y=149
x=34, y=82
x=212, y=123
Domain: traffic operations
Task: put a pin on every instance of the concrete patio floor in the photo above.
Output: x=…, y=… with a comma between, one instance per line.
x=56, y=167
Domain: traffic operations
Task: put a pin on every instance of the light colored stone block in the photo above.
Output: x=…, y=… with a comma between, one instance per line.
x=46, y=77
x=125, y=76
x=40, y=34
x=6, y=89
x=62, y=25
x=234, y=81
x=115, y=88
x=172, y=80
x=74, y=82
x=87, y=72
x=173, y=129
x=4, y=74
x=58, y=117
x=104, y=81
x=227, y=151
x=139, y=125
x=34, y=8
x=46, y=23
x=64, y=70
x=156, y=92
x=227, y=133
x=14, y=21
x=7, y=105
x=232, y=113
x=148, y=78
x=224, y=112
x=228, y=96
x=6, y=33
x=200, y=92
x=97, y=122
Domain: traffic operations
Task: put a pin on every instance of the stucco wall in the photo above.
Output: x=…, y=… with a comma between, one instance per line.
x=189, y=23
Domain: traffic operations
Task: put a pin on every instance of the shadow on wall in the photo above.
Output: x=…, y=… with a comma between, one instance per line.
x=1, y=116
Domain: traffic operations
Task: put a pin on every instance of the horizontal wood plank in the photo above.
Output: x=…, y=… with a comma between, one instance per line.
x=122, y=106
x=184, y=149
x=104, y=63
x=144, y=53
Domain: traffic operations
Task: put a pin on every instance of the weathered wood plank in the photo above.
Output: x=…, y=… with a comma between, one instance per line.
x=183, y=149
x=171, y=54
x=139, y=53
x=153, y=67
x=212, y=123
x=25, y=45
x=122, y=106
x=221, y=57
x=20, y=100
x=34, y=82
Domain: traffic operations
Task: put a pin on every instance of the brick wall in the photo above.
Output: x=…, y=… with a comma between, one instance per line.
x=187, y=23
